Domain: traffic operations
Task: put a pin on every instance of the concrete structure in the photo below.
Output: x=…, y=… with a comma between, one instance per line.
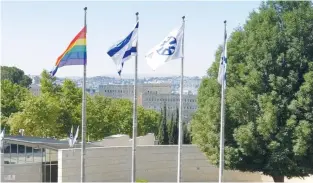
x=35, y=80
x=124, y=140
x=35, y=89
x=156, y=101
x=127, y=91
x=154, y=164
x=31, y=159
x=153, y=96
x=113, y=164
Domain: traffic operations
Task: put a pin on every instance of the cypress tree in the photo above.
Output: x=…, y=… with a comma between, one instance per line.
x=171, y=132
x=163, y=132
x=175, y=127
x=187, y=137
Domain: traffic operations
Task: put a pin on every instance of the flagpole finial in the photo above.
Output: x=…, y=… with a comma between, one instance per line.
x=85, y=8
x=225, y=21
x=137, y=13
x=183, y=17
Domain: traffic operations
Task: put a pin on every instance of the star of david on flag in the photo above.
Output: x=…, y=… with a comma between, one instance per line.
x=124, y=49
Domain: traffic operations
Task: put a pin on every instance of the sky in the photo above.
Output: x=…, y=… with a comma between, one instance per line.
x=35, y=33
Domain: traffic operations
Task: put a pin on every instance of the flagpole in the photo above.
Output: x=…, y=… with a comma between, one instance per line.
x=133, y=177
x=222, y=126
x=180, y=129
x=83, y=138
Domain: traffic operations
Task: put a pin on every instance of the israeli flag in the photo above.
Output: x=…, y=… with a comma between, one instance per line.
x=70, y=140
x=169, y=49
x=223, y=64
x=2, y=139
x=124, y=49
x=76, y=135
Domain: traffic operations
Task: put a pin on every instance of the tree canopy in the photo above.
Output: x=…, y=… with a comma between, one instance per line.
x=15, y=75
x=269, y=95
x=58, y=107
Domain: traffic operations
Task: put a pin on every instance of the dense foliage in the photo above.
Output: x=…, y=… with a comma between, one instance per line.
x=269, y=95
x=58, y=107
x=168, y=129
x=15, y=75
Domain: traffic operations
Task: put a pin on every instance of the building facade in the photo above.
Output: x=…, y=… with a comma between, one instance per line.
x=157, y=101
x=35, y=89
x=127, y=91
x=154, y=96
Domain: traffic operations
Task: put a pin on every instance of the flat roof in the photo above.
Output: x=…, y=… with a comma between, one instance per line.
x=40, y=142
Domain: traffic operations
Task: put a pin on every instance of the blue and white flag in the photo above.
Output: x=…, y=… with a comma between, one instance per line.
x=76, y=135
x=223, y=64
x=124, y=49
x=70, y=140
x=169, y=49
x=1, y=139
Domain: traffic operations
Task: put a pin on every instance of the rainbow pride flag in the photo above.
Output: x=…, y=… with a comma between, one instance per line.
x=75, y=53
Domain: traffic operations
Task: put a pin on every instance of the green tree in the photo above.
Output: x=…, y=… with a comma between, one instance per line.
x=39, y=117
x=147, y=121
x=163, y=132
x=170, y=131
x=269, y=101
x=186, y=133
x=98, y=123
x=174, y=128
x=48, y=85
x=70, y=99
x=15, y=75
x=11, y=97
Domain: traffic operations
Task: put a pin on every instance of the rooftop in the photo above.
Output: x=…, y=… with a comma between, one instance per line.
x=39, y=142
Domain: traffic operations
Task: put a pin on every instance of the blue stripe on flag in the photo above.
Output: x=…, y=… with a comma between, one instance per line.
x=121, y=44
x=120, y=71
x=130, y=51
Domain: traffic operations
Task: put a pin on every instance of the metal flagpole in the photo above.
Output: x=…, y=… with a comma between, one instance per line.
x=83, y=138
x=180, y=129
x=221, y=163
x=133, y=178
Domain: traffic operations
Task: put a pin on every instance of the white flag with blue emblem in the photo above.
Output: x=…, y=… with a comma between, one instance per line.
x=169, y=49
x=223, y=63
x=124, y=49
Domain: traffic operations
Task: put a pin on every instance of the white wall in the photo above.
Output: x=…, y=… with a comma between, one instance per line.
x=28, y=172
x=154, y=163
x=124, y=140
x=1, y=167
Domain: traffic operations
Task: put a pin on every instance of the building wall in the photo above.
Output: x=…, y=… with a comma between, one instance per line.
x=157, y=101
x=154, y=164
x=127, y=91
x=125, y=140
x=35, y=89
x=28, y=172
x=1, y=167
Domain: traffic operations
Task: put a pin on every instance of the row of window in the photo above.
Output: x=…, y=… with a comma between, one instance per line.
x=169, y=100
x=171, y=107
x=118, y=91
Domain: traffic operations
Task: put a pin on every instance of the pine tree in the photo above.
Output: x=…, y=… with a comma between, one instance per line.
x=187, y=137
x=171, y=132
x=175, y=127
x=163, y=132
x=159, y=135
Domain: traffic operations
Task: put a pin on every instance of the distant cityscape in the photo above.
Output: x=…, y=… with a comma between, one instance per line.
x=153, y=92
